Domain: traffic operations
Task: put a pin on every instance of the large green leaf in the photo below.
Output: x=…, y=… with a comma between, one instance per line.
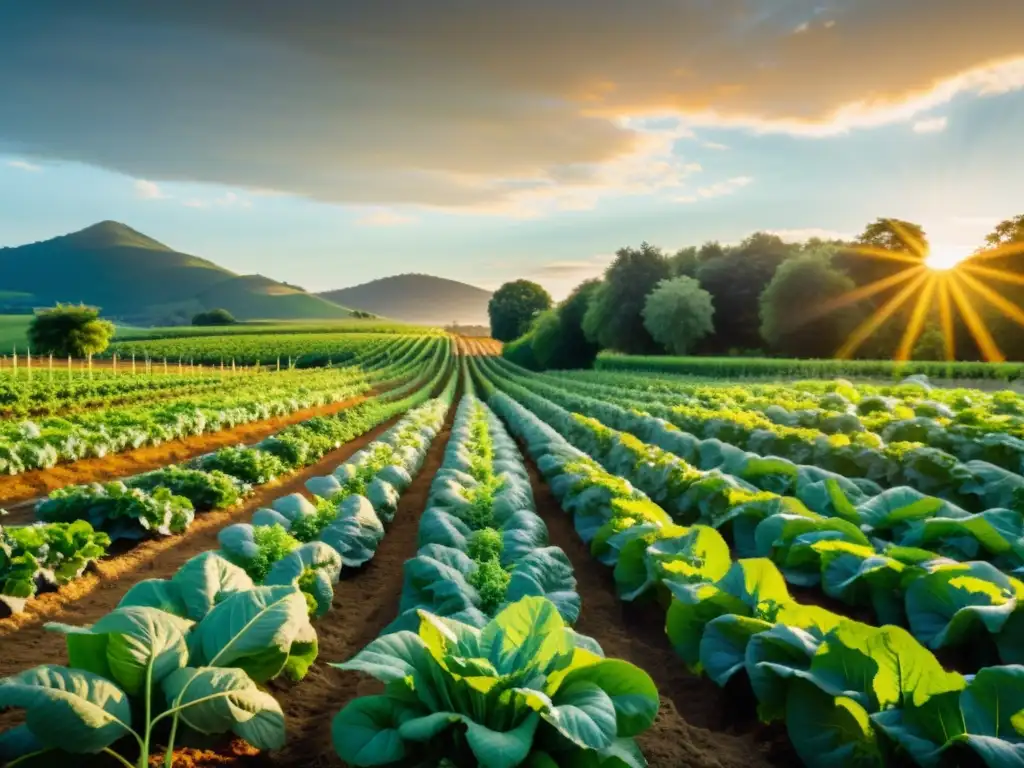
x=69, y=709
x=772, y=658
x=829, y=731
x=130, y=646
x=945, y=607
x=723, y=646
x=526, y=634
x=204, y=579
x=632, y=692
x=583, y=713
x=214, y=700
x=156, y=593
x=256, y=631
x=365, y=732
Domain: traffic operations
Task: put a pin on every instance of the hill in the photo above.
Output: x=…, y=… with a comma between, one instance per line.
x=415, y=298
x=135, y=278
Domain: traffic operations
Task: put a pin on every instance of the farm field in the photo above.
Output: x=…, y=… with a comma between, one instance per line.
x=413, y=552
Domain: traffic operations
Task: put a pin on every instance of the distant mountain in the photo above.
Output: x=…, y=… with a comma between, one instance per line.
x=415, y=298
x=134, y=278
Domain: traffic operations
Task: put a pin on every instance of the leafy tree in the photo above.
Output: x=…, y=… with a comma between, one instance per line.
x=1006, y=232
x=684, y=262
x=736, y=279
x=931, y=345
x=214, y=317
x=558, y=338
x=513, y=307
x=520, y=352
x=798, y=285
x=678, y=314
x=72, y=330
x=1008, y=260
x=614, y=317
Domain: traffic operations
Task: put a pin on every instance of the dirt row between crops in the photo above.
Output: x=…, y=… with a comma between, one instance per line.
x=24, y=641
x=20, y=492
x=696, y=726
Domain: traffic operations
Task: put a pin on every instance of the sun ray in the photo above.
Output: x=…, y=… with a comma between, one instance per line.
x=872, y=323
x=924, y=303
x=917, y=246
x=994, y=273
x=1004, y=305
x=975, y=325
x=881, y=253
x=852, y=297
x=946, y=318
x=1006, y=249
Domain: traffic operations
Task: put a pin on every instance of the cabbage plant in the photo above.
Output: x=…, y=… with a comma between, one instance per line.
x=524, y=687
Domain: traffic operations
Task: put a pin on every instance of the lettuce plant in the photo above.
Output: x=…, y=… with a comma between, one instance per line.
x=524, y=687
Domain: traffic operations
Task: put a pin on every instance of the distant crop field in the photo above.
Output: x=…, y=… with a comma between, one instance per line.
x=761, y=367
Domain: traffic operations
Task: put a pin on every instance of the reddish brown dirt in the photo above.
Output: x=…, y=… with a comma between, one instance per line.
x=18, y=492
x=24, y=641
x=363, y=606
x=691, y=726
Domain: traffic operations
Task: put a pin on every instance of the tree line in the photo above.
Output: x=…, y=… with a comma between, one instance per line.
x=757, y=298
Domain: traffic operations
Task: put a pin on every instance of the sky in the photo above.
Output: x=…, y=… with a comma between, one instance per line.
x=331, y=142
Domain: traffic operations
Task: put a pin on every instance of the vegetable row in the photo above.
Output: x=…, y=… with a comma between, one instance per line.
x=165, y=501
x=947, y=604
x=481, y=666
x=848, y=693
x=195, y=651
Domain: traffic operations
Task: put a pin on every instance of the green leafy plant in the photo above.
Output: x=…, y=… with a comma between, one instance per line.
x=524, y=686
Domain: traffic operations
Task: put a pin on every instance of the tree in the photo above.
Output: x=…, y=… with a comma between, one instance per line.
x=866, y=263
x=614, y=317
x=1006, y=232
x=558, y=338
x=798, y=285
x=931, y=345
x=678, y=314
x=71, y=330
x=214, y=317
x=684, y=262
x=513, y=307
x=1002, y=271
x=736, y=279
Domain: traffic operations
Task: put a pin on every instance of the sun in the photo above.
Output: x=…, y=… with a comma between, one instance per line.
x=942, y=257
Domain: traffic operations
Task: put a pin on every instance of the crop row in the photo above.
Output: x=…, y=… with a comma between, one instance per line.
x=45, y=390
x=967, y=424
x=754, y=367
x=800, y=459
x=303, y=350
x=204, y=642
x=50, y=441
x=849, y=693
x=849, y=555
x=481, y=666
x=78, y=521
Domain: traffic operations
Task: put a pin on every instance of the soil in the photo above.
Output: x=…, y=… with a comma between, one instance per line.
x=25, y=643
x=20, y=492
x=697, y=723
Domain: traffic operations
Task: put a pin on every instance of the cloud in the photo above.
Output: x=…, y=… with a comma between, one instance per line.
x=24, y=165
x=486, y=107
x=384, y=218
x=148, y=190
x=714, y=145
x=718, y=189
x=930, y=125
x=573, y=270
